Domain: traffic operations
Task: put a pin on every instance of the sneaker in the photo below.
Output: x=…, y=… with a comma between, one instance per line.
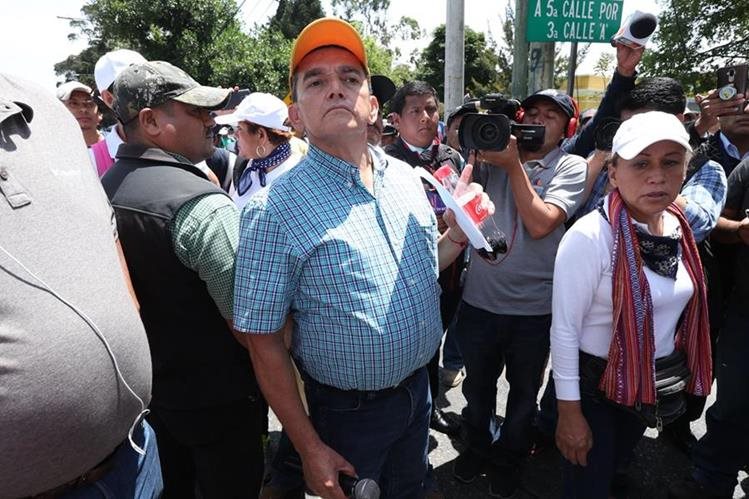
x=503, y=485
x=451, y=378
x=690, y=489
x=467, y=467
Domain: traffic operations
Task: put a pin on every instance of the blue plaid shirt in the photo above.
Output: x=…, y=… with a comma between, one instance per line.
x=357, y=270
x=705, y=193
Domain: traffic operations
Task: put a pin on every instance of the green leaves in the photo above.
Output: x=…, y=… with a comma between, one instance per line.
x=482, y=73
x=694, y=38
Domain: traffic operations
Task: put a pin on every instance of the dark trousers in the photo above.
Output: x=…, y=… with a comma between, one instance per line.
x=490, y=343
x=546, y=419
x=384, y=433
x=449, y=300
x=725, y=447
x=615, y=434
x=219, y=449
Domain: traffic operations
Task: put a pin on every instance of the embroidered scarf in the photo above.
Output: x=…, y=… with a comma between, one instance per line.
x=629, y=378
x=280, y=154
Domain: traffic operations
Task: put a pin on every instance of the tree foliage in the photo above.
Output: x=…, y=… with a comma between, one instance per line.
x=293, y=15
x=206, y=39
x=371, y=15
x=187, y=33
x=604, y=65
x=696, y=37
x=481, y=63
x=203, y=37
x=259, y=62
x=506, y=50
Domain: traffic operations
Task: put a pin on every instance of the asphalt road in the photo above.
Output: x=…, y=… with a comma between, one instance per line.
x=656, y=464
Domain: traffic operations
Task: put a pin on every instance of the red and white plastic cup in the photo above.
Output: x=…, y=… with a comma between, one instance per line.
x=473, y=209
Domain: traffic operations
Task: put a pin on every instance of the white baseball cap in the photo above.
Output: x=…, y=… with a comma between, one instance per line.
x=645, y=129
x=111, y=64
x=259, y=108
x=65, y=90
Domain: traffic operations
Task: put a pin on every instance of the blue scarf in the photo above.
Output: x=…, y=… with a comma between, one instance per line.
x=261, y=166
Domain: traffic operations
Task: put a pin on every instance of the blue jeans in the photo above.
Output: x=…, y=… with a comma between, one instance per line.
x=132, y=475
x=451, y=357
x=489, y=343
x=383, y=434
x=724, y=448
x=615, y=435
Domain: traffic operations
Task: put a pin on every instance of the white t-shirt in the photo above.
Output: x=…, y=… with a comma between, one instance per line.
x=270, y=177
x=113, y=142
x=582, y=317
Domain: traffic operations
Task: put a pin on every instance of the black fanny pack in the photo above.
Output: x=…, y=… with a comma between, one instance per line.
x=671, y=379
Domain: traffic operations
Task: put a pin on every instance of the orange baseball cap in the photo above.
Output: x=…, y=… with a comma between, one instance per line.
x=324, y=32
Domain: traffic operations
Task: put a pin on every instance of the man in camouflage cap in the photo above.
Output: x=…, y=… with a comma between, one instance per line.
x=179, y=234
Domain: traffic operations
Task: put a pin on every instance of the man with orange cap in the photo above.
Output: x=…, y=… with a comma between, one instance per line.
x=354, y=260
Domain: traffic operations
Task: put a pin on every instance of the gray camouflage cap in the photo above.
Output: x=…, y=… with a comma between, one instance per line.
x=153, y=83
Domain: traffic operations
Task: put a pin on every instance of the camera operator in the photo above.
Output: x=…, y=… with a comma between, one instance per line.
x=505, y=315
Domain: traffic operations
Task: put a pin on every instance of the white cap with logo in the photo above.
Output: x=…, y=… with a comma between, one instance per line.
x=65, y=90
x=645, y=129
x=111, y=64
x=259, y=108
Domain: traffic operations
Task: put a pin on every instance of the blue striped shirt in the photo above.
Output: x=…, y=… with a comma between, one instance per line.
x=358, y=271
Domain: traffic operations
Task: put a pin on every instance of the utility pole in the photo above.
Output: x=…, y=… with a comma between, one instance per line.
x=454, y=55
x=572, y=69
x=520, y=57
x=542, y=66
x=547, y=78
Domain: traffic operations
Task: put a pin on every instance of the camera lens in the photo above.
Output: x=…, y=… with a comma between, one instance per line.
x=488, y=133
x=484, y=131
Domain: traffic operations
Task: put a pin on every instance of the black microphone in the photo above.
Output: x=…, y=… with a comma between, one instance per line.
x=354, y=488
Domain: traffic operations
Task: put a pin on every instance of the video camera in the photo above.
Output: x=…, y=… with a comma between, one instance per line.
x=490, y=131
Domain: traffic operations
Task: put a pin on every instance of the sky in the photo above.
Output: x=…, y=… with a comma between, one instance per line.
x=41, y=37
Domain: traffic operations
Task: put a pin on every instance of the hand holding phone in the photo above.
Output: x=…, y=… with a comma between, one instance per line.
x=732, y=80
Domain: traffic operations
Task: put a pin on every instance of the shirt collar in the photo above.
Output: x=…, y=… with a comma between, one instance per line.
x=731, y=149
x=414, y=148
x=343, y=170
x=548, y=160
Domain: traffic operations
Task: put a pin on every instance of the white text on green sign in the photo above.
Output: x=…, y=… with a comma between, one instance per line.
x=593, y=21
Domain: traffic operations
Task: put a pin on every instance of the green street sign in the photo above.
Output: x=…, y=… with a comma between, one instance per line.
x=593, y=21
